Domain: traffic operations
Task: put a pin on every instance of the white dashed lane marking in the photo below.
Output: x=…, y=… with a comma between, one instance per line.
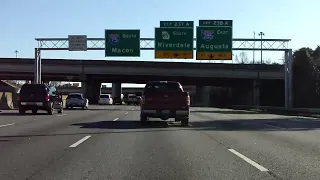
x=79, y=142
x=256, y=165
x=6, y=125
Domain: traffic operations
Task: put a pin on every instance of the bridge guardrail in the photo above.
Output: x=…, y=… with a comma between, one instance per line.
x=308, y=111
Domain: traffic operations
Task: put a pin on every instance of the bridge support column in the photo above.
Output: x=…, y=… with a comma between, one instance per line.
x=91, y=89
x=203, y=95
x=116, y=90
x=256, y=93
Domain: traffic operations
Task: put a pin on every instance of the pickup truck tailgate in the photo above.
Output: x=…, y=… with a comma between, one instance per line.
x=163, y=100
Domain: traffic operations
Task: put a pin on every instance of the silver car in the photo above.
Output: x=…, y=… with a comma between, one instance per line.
x=77, y=100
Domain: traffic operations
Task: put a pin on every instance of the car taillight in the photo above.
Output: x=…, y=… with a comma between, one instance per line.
x=47, y=98
x=19, y=98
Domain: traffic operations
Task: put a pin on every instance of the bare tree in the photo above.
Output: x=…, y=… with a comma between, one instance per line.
x=236, y=59
x=268, y=61
x=244, y=57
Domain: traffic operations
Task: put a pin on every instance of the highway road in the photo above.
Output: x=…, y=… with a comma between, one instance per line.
x=108, y=142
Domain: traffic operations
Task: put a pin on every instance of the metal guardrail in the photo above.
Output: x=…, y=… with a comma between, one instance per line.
x=280, y=109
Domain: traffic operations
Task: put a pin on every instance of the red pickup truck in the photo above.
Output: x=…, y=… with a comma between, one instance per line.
x=165, y=99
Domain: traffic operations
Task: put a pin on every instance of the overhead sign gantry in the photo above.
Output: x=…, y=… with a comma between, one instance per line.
x=174, y=40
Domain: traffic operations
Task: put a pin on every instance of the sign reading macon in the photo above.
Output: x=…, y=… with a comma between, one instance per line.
x=214, y=43
x=122, y=42
x=174, y=43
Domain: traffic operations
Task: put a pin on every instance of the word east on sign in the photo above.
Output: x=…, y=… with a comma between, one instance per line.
x=122, y=42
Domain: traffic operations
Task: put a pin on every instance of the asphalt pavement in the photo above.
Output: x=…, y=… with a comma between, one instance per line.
x=109, y=142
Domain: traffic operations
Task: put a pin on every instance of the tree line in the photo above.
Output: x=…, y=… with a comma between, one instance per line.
x=306, y=78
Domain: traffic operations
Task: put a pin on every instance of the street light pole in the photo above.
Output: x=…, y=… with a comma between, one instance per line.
x=261, y=34
x=254, y=46
x=16, y=51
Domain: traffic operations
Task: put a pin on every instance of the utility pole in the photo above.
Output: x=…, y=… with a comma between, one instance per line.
x=261, y=34
x=16, y=52
x=254, y=46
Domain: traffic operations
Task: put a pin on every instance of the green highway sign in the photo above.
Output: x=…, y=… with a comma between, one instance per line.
x=176, y=24
x=173, y=43
x=215, y=23
x=124, y=42
x=214, y=43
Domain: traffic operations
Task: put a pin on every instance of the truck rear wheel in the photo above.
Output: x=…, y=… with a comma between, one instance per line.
x=143, y=118
x=185, y=121
x=50, y=110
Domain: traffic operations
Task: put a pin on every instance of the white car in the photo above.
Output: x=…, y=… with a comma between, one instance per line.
x=105, y=99
x=77, y=100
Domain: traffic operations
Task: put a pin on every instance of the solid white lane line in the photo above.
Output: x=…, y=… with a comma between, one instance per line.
x=7, y=125
x=61, y=114
x=256, y=165
x=115, y=119
x=79, y=142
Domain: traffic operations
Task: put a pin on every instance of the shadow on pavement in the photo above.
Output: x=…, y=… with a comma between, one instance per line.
x=4, y=140
x=17, y=114
x=101, y=109
x=122, y=124
x=279, y=124
x=227, y=111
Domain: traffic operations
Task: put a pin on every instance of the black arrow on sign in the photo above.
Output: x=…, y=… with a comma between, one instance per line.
x=211, y=56
x=176, y=54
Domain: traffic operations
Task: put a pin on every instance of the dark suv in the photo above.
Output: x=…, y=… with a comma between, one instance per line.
x=36, y=97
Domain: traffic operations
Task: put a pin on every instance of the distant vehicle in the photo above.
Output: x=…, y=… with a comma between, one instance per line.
x=105, y=99
x=139, y=99
x=77, y=100
x=132, y=99
x=36, y=97
x=117, y=100
x=164, y=100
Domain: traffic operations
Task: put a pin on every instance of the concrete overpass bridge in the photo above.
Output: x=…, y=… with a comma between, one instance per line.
x=94, y=72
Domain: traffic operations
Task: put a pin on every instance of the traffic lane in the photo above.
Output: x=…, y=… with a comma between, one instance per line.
x=44, y=125
x=10, y=117
x=13, y=117
x=22, y=156
x=287, y=153
x=125, y=149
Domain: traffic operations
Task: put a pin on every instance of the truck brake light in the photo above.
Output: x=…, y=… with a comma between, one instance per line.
x=47, y=98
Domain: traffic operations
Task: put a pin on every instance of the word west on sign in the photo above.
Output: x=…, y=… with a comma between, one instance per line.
x=122, y=42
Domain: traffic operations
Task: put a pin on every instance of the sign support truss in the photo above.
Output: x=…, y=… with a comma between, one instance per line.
x=148, y=44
